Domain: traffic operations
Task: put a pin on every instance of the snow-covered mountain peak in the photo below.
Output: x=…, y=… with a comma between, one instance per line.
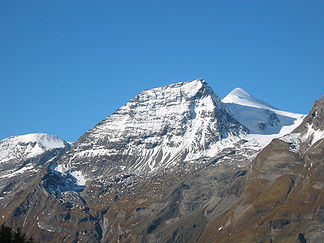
x=263, y=120
x=47, y=141
x=242, y=97
x=28, y=146
x=22, y=158
x=176, y=91
x=157, y=128
x=239, y=92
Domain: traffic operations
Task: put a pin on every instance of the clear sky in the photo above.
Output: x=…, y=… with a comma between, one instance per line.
x=66, y=65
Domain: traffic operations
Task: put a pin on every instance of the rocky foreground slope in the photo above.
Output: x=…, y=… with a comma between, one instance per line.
x=283, y=196
x=178, y=164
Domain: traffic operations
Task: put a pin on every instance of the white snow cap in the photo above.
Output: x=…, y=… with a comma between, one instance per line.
x=187, y=88
x=242, y=97
x=263, y=120
x=28, y=145
x=47, y=141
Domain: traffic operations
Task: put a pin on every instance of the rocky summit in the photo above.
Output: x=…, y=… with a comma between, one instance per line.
x=174, y=164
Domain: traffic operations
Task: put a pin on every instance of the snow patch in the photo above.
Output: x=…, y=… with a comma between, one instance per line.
x=294, y=140
x=81, y=180
x=312, y=135
x=65, y=170
x=44, y=228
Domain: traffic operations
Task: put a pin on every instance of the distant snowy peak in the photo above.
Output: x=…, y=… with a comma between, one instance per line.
x=28, y=146
x=242, y=97
x=47, y=141
x=260, y=117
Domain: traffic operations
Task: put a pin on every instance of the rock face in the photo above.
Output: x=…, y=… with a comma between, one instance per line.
x=177, y=164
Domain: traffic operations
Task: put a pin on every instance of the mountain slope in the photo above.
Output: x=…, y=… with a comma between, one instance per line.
x=283, y=200
x=22, y=158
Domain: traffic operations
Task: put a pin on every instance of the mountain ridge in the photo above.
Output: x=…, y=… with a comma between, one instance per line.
x=164, y=123
x=171, y=165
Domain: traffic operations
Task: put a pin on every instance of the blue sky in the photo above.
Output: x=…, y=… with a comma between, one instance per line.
x=66, y=65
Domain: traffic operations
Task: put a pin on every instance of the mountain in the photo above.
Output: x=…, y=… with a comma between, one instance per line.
x=28, y=146
x=22, y=158
x=174, y=164
x=242, y=97
x=282, y=200
x=154, y=131
x=258, y=116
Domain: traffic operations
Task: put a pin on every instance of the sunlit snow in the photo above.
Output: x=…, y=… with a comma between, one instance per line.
x=263, y=121
x=28, y=146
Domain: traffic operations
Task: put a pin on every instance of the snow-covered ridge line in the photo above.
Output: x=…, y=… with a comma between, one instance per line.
x=47, y=140
x=242, y=97
x=28, y=146
x=260, y=117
